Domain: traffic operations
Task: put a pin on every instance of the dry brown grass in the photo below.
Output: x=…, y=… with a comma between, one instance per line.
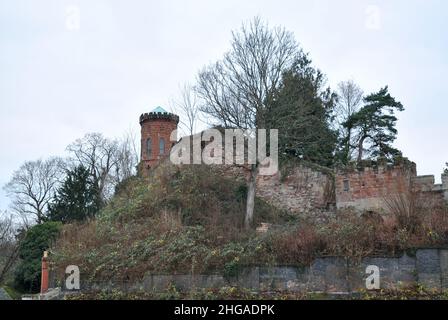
x=406, y=208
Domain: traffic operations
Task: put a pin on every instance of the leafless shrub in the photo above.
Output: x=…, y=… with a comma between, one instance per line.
x=406, y=208
x=299, y=246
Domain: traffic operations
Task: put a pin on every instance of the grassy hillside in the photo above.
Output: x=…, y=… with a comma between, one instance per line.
x=179, y=220
x=190, y=220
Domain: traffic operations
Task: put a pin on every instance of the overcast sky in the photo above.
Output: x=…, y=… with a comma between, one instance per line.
x=72, y=67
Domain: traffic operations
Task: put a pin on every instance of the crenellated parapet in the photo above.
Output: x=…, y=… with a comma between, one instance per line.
x=364, y=186
x=368, y=185
x=167, y=116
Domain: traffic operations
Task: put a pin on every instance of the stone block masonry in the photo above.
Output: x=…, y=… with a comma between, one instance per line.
x=431, y=195
x=301, y=190
x=366, y=188
x=428, y=268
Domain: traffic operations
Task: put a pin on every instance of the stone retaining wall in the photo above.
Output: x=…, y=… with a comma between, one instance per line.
x=429, y=268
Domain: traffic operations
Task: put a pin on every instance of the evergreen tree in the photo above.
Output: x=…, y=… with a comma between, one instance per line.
x=302, y=110
x=375, y=125
x=77, y=199
x=36, y=240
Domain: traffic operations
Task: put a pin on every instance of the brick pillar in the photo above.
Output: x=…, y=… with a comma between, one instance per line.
x=45, y=273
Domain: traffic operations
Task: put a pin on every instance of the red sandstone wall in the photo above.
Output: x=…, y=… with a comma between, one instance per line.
x=156, y=129
x=369, y=186
x=429, y=195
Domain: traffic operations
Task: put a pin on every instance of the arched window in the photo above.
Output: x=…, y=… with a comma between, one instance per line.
x=161, y=146
x=148, y=147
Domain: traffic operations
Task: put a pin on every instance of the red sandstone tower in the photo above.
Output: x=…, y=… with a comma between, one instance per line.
x=156, y=129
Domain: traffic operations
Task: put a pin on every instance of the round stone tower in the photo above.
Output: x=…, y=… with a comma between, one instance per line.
x=156, y=129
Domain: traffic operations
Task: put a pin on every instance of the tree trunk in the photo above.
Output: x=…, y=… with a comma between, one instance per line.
x=360, y=145
x=40, y=217
x=347, y=147
x=251, y=196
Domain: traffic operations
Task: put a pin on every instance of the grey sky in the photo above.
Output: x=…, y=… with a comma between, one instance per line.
x=61, y=77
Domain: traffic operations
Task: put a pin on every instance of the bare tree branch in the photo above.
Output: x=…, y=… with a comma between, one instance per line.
x=350, y=98
x=238, y=90
x=33, y=185
x=187, y=105
x=9, y=245
x=99, y=155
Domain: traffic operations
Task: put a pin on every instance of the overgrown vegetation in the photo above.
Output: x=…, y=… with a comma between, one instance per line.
x=180, y=220
x=189, y=220
x=77, y=198
x=36, y=241
x=9, y=249
x=234, y=293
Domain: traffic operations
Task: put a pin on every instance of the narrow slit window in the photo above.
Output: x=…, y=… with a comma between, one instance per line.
x=346, y=185
x=162, y=146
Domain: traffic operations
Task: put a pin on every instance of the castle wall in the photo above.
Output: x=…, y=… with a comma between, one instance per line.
x=366, y=188
x=431, y=195
x=306, y=190
x=302, y=190
x=445, y=187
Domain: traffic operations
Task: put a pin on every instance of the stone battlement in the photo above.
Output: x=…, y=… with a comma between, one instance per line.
x=366, y=187
x=159, y=116
x=402, y=164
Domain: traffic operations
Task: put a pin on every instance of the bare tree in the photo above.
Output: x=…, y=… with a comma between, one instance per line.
x=127, y=157
x=9, y=246
x=238, y=90
x=101, y=156
x=350, y=98
x=32, y=187
x=188, y=105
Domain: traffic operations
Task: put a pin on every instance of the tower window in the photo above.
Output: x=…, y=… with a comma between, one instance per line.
x=148, y=147
x=346, y=185
x=161, y=146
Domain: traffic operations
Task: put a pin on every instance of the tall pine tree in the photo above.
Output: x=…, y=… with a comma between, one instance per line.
x=375, y=125
x=77, y=199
